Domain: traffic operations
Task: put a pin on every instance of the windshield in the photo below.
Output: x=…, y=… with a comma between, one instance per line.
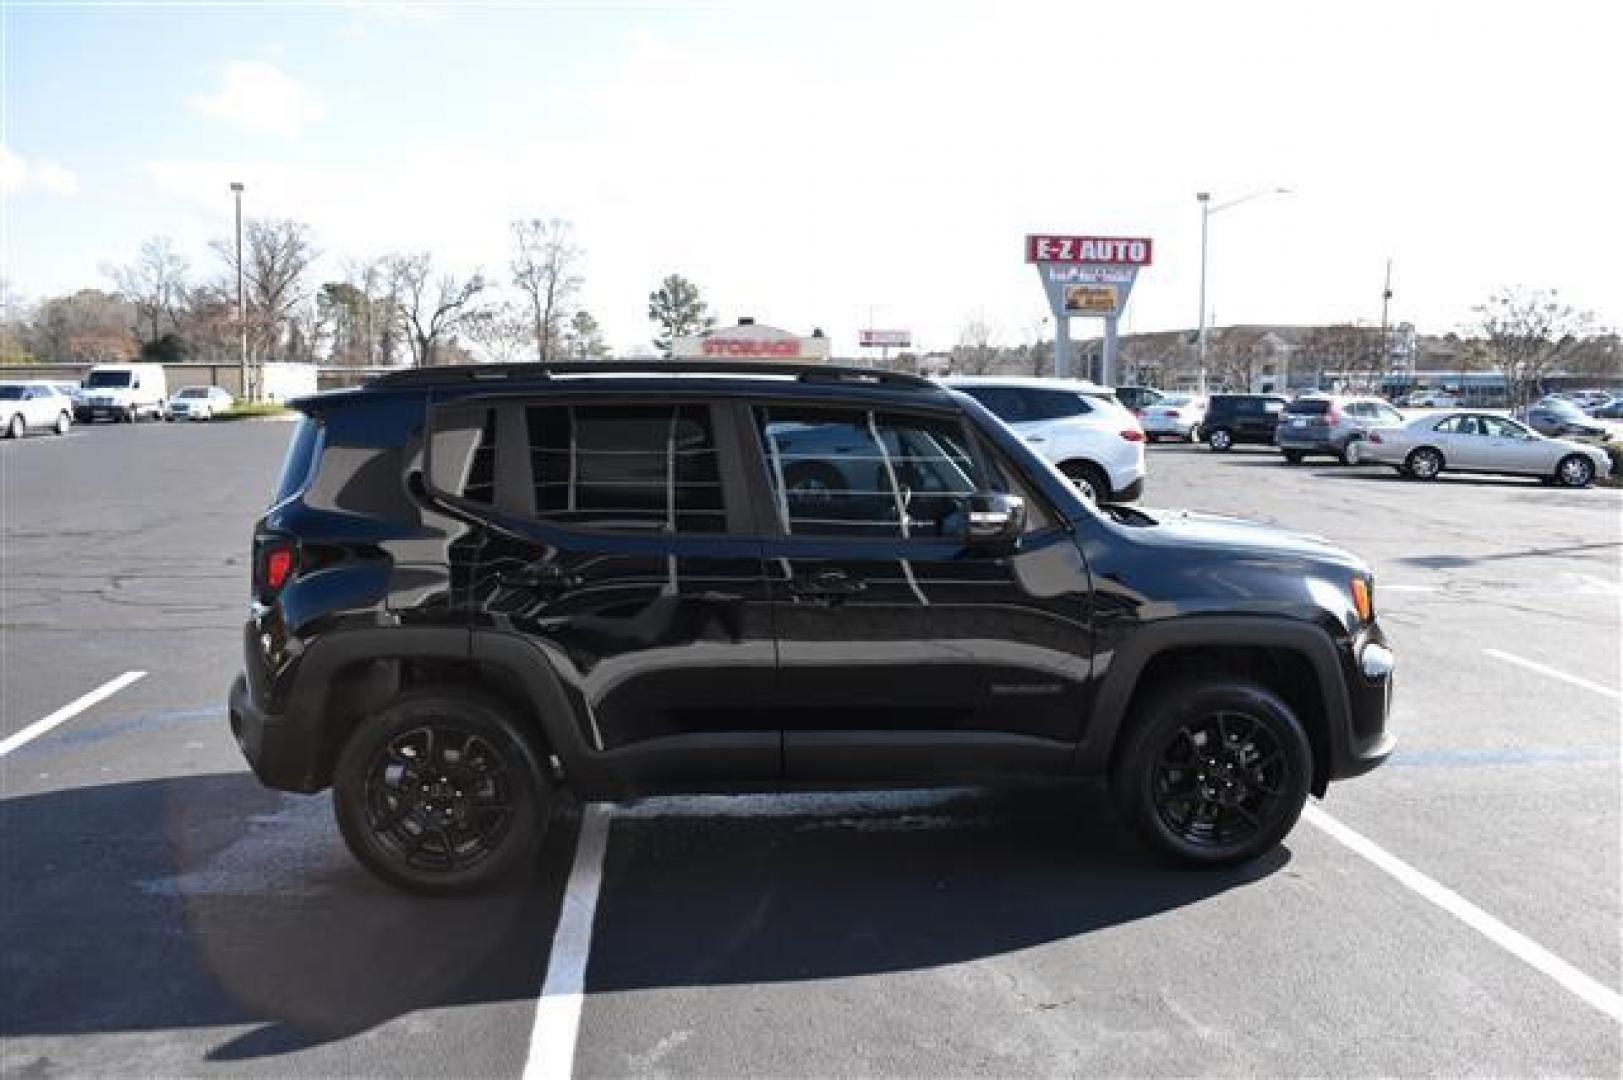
x=101, y=380
x=1177, y=399
x=1309, y=407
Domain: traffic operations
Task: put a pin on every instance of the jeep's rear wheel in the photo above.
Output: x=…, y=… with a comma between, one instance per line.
x=439, y=793
x=1215, y=773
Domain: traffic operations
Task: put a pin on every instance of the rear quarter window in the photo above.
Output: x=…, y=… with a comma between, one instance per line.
x=299, y=460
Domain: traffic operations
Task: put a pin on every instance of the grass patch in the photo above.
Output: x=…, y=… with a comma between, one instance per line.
x=245, y=411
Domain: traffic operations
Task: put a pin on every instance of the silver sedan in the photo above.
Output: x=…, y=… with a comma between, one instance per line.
x=1482, y=443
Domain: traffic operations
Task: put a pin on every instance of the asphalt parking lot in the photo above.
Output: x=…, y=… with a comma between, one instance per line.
x=1455, y=912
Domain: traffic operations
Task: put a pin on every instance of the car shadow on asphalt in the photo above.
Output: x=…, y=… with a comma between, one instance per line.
x=207, y=901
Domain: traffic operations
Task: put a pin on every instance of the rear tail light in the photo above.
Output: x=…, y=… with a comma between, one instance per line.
x=1133, y=435
x=1333, y=415
x=278, y=562
x=1171, y=414
x=1375, y=437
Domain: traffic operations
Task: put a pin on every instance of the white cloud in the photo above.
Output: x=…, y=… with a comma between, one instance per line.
x=18, y=174
x=259, y=96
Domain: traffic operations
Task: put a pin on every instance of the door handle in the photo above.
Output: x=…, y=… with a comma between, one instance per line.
x=826, y=583
x=548, y=577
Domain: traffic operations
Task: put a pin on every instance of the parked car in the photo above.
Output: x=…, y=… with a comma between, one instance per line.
x=1473, y=442
x=479, y=590
x=1335, y=426
x=1561, y=419
x=33, y=405
x=1080, y=427
x=1612, y=410
x=127, y=392
x=1175, y=416
x=199, y=403
x=1236, y=419
x=1586, y=399
x=1138, y=398
x=1431, y=399
x=71, y=390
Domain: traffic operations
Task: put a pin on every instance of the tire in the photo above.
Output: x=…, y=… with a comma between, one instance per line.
x=810, y=480
x=1352, y=453
x=410, y=838
x=1574, y=471
x=1293, y=457
x=1207, y=803
x=17, y=428
x=131, y=416
x=63, y=423
x=1220, y=440
x=1089, y=479
x=1423, y=463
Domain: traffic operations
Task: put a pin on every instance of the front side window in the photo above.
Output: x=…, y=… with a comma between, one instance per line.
x=626, y=468
x=837, y=472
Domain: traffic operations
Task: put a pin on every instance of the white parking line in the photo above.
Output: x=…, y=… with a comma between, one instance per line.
x=557, y=1013
x=68, y=712
x=1554, y=674
x=1517, y=944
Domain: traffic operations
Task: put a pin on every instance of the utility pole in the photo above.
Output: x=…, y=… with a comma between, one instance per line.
x=1386, y=298
x=242, y=309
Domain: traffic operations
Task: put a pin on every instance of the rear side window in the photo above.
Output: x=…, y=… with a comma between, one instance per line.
x=1003, y=402
x=838, y=472
x=1054, y=404
x=626, y=468
x=301, y=457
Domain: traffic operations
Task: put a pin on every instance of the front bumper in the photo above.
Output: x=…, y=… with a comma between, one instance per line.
x=1369, y=671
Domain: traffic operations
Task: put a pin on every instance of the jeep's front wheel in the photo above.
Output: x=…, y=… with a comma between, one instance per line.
x=1215, y=772
x=439, y=793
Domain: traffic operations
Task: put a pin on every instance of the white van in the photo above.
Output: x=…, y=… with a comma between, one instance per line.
x=127, y=392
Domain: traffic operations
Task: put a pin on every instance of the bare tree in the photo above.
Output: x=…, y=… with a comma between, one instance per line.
x=544, y=266
x=433, y=308
x=976, y=352
x=277, y=254
x=1344, y=352
x=503, y=333
x=1524, y=333
x=156, y=284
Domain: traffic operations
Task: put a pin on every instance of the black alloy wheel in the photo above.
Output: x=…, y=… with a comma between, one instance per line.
x=1215, y=773
x=1293, y=457
x=439, y=793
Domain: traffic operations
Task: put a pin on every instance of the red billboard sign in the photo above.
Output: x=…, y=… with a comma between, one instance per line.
x=751, y=347
x=1119, y=250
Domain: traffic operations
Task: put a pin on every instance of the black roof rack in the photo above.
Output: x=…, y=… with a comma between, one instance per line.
x=458, y=374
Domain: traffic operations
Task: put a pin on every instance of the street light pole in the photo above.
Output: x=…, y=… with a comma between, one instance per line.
x=1205, y=200
x=1206, y=212
x=242, y=310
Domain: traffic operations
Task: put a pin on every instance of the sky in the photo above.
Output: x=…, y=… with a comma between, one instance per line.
x=838, y=165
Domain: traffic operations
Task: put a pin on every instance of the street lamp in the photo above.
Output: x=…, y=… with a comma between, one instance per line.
x=1206, y=212
x=242, y=312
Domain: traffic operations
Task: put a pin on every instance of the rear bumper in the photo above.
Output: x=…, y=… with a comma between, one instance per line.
x=281, y=752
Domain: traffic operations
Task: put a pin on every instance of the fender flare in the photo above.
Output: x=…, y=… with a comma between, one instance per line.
x=1121, y=678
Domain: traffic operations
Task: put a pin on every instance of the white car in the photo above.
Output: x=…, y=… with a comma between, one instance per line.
x=33, y=405
x=199, y=403
x=1078, y=426
x=1431, y=399
x=1175, y=416
x=1482, y=443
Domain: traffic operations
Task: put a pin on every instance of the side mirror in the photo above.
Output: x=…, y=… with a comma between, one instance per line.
x=993, y=521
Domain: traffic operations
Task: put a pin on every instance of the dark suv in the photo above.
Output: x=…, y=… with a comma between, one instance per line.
x=479, y=588
x=1233, y=419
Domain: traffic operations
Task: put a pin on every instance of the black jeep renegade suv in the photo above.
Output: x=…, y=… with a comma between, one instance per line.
x=477, y=587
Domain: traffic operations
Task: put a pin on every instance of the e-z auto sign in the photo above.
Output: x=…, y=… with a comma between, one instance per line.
x=1119, y=250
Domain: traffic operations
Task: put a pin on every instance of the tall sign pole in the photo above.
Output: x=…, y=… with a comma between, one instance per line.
x=1087, y=276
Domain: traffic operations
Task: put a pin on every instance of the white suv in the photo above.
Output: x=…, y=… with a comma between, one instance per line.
x=1078, y=426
